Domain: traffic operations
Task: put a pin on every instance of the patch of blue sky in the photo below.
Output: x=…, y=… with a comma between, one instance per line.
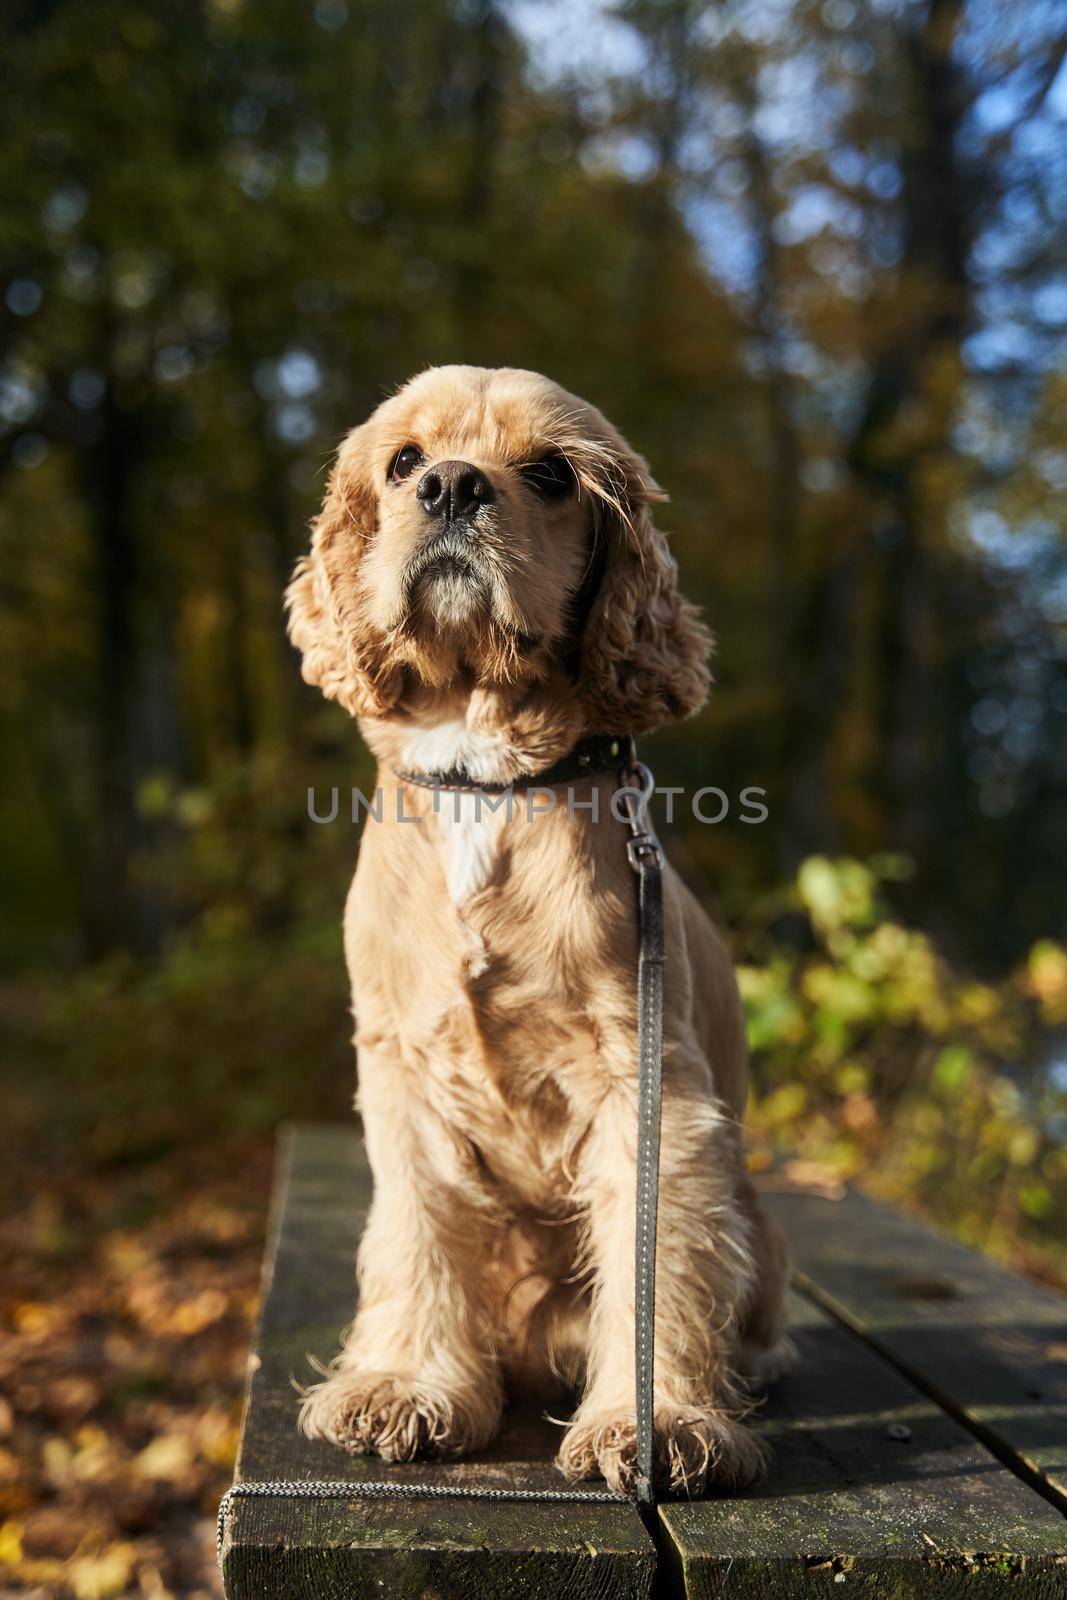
x=999, y=344
x=576, y=39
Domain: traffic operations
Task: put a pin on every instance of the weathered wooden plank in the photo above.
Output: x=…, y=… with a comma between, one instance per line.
x=282, y=1548
x=871, y=1486
x=988, y=1345
x=933, y=1513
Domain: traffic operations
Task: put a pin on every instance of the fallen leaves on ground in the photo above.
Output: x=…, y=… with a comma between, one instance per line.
x=129, y=1297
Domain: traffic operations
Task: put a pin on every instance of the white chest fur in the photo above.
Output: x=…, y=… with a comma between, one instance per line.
x=442, y=745
x=470, y=838
x=468, y=830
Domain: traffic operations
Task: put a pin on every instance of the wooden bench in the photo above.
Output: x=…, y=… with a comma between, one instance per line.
x=920, y=1447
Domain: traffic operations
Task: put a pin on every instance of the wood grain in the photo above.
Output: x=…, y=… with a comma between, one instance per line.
x=849, y=1509
x=988, y=1345
x=283, y=1548
x=875, y=1490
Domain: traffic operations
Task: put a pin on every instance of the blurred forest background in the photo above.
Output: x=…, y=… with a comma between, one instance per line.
x=810, y=257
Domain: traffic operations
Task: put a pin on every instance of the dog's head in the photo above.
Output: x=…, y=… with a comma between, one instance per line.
x=485, y=527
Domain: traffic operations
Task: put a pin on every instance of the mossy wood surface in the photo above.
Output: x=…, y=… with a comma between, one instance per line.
x=847, y=1508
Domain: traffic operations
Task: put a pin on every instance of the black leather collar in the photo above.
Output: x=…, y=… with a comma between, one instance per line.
x=592, y=756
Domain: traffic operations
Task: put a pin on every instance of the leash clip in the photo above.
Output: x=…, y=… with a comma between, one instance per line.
x=643, y=849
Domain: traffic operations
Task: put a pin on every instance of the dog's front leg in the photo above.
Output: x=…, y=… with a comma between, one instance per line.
x=417, y=1374
x=704, y=1271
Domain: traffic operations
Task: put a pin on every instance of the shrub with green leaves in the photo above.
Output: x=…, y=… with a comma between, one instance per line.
x=874, y=1060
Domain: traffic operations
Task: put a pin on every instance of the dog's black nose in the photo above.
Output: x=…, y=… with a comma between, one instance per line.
x=454, y=489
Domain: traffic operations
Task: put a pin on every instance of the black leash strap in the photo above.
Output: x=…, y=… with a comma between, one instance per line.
x=646, y=858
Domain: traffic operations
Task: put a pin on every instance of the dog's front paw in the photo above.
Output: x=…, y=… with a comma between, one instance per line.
x=761, y=1365
x=395, y=1417
x=692, y=1448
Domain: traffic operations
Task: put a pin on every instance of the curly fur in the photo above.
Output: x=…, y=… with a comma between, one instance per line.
x=643, y=650
x=343, y=654
x=492, y=961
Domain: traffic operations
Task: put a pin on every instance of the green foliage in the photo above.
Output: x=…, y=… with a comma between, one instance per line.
x=875, y=1060
x=242, y=1024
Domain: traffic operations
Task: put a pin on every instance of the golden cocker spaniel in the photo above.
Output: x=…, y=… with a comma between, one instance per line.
x=485, y=586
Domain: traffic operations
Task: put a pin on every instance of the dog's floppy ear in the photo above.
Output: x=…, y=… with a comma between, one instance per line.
x=644, y=649
x=345, y=655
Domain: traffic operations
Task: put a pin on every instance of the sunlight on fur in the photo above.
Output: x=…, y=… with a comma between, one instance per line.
x=485, y=585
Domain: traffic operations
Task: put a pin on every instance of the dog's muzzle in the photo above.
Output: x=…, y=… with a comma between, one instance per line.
x=449, y=580
x=456, y=554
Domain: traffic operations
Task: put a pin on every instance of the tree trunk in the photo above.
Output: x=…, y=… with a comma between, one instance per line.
x=905, y=428
x=137, y=715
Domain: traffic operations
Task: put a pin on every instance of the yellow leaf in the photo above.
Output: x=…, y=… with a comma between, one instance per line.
x=193, y=1316
x=10, y=1542
x=167, y=1457
x=33, y=1318
x=100, y=1577
x=57, y=1457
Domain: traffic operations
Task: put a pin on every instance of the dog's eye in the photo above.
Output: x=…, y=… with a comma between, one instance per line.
x=552, y=477
x=405, y=462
